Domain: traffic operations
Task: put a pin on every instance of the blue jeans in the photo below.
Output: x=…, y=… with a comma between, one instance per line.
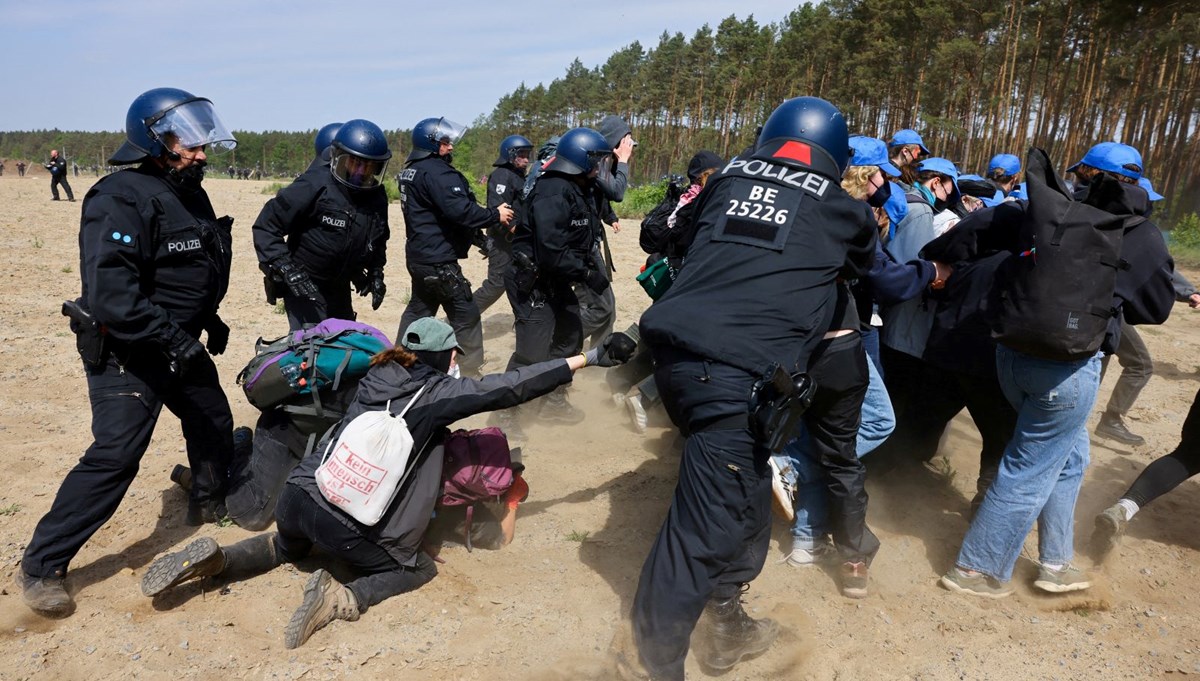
x=1042, y=467
x=803, y=473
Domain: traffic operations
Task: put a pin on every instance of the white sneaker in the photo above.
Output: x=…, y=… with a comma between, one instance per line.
x=782, y=502
x=637, y=413
x=808, y=557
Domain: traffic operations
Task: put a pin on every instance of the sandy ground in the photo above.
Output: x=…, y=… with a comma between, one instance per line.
x=547, y=607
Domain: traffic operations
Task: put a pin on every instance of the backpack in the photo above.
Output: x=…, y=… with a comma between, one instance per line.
x=364, y=468
x=477, y=467
x=304, y=362
x=654, y=226
x=1055, y=299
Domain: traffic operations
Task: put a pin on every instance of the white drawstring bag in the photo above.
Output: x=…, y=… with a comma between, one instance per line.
x=362, y=470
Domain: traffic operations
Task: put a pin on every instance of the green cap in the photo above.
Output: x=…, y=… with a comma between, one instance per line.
x=430, y=334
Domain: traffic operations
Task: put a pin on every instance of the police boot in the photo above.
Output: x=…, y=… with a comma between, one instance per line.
x=733, y=636
x=202, y=512
x=201, y=558
x=46, y=596
x=509, y=421
x=556, y=409
x=182, y=475
x=325, y=600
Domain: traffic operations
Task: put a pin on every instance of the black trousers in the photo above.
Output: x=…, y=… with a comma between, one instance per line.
x=334, y=303
x=547, y=322
x=126, y=401
x=839, y=367
x=931, y=396
x=461, y=312
x=301, y=524
x=499, y=262
x=1167, y=472
x=55, y=181
x=598, y=311
x=255, y=484
x=717, y=531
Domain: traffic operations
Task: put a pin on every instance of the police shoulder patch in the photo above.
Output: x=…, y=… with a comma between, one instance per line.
x=500, y=188
x=122, y=238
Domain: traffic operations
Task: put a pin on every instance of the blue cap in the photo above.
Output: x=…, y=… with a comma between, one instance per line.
x=945, y=167
x=1112, y=157
x=973, y=178
x=871, y=151
x=908, y=136
x=1019, y=192
x=1010, y=164
x=995, y=200
x=1144, y=183
x=896, y=206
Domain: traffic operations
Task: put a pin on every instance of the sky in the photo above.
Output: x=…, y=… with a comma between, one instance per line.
x=298, y=64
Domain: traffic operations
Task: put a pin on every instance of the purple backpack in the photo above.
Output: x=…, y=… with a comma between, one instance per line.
x=477, y=467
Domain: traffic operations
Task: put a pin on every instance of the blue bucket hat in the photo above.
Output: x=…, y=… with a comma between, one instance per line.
x=1010, y=164
x=945, y=167
x=871, y=151
x=1112, y=157
x=908, y=136
x=1144, y=183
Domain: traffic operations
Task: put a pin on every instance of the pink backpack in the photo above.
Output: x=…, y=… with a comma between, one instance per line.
x=477, y=467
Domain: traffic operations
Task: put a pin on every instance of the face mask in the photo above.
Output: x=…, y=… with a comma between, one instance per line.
x=881, y=195
x=190, y=177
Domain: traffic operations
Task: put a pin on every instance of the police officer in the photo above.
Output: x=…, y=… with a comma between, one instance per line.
x=329, y=228
x=323, y=144
x=58, y=175
x=154, y=260
x=504, y=187
x=552, y=251
x=441, y=219
x=775, y=231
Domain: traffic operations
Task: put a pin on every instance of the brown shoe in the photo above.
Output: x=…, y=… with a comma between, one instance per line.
x=854, y=579
x=325, y=600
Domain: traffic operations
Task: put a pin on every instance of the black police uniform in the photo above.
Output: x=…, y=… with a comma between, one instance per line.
x=561, y=221
x=154, y=261
x=773, y=235
x=440, y=219
x=504, y=186
x=334, y=233
x=58, y=175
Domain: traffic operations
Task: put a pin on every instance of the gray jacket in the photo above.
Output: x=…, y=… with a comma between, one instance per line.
x=906, y=325
x=444, y=401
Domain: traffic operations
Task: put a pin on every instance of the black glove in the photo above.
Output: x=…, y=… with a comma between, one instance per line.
x=375, y=287
x=612, y=351
x=596, y=281
x=218, y=336
x=297, y=280
x=184, y=351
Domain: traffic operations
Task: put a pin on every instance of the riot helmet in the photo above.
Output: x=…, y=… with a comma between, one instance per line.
x=170, y=112
x=360, y=154
x=511, y=147
x=428, y=135
x=325, y=136
x=580, y=151
x=811, y=120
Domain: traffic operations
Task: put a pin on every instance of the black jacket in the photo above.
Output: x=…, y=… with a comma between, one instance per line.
x=445, y=401
x=505, y=185
x=562, y=221
x=335, y=233
x=57, y=167
x=773, y=236
x=152, y=256
x=440, y=212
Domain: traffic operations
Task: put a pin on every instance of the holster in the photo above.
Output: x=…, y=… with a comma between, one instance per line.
x=270, y=287
x=90, y=335
x=777, y=402
x=525, y=271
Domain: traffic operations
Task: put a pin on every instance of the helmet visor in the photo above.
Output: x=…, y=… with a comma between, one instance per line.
x=356, y=172
x=448, y=131
x=595, y=158
x=194, y=123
